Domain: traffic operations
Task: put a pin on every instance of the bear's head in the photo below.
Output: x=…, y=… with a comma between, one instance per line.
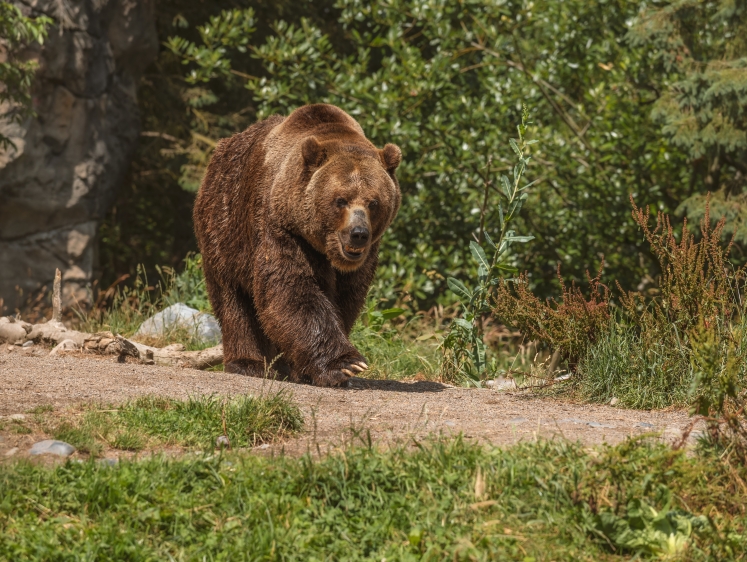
x=351, y=197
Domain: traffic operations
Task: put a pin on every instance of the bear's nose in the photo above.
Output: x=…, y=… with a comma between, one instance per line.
x=359, y=236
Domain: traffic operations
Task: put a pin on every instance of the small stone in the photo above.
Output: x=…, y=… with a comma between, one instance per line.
x=222, y=441
x=263, y=446
x=600, y=425
x=450, y=423
x=518, y=420
x=64, y=346
x=614, y=401
x=11, y=452
x=645, y=424
x=501, y=383
x=52, y=447
x=108, y=462
x=17, y=417
x=562, y=378
x=28, y=344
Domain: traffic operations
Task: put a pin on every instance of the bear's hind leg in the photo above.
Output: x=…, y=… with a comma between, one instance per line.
x=246, y=349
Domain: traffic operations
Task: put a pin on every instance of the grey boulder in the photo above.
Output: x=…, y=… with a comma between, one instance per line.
x=52, y=447
x=204, y=326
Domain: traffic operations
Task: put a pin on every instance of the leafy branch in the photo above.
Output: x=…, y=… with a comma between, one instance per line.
x=464, y=349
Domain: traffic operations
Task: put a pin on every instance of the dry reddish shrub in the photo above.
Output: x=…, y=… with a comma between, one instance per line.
x=570, y=324
x=697, y=285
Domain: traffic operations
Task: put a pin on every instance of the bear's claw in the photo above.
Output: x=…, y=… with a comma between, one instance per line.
x=347, y=372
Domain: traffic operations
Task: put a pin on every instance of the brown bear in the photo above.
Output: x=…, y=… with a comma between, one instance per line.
x=289, y=219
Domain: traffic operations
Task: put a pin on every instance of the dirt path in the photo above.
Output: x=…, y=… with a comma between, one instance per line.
x=389, y=410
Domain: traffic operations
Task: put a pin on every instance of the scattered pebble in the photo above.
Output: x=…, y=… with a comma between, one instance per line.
x=29, y=343
x=222, y=441
x=263, y=446
x=450, y=423
x=11, y=452
x=597, y=424
x=63, y=346
x=614, y=401
x=52, y=447
x=518, y=420
x=645, y=424
x=501, y=383
x=563, y=377
x=17, y=417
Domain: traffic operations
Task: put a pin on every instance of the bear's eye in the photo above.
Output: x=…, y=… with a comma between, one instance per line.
x=373, y=204
x=340, y=202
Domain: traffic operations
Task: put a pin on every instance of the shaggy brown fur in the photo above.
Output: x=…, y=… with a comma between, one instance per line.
x=289, y=219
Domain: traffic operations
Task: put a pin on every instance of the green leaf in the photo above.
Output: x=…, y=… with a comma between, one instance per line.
x=515, y=146
x=489, y=240
x=506, y=184
x=459, y=288
x=519, y=238
x=461, y=322
x=390, y=313
x=479, y=254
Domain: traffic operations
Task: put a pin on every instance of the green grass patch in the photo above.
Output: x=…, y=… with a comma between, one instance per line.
x=396, y=352
x=196, y=422
x=640, y=374
x=445, y=500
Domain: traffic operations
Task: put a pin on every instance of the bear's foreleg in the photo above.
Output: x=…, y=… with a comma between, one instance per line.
x=299, y=317
x=246, y=350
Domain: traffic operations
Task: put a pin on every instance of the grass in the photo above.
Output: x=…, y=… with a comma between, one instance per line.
x=149, y=422
x=443, y=500
x=644, y=375
x=395, y=355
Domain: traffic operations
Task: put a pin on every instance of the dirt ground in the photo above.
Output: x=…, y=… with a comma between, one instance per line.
x=387, y=410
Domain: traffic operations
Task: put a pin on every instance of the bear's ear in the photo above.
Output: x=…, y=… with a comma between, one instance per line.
x=313, y=153
x=391, y=156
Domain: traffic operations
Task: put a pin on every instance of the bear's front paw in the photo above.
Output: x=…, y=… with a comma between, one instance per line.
x=339, y=371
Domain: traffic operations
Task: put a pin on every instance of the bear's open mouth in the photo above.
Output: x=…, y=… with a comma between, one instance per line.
x=352, y=252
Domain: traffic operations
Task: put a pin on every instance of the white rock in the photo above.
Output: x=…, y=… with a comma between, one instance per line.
x=52, y=447
x=501, y=383
x=205, y=326
x=18, y=417
x=11, y=452
x=63, y=346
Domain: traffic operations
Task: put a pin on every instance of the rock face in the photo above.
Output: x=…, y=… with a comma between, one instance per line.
x=70, y=159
